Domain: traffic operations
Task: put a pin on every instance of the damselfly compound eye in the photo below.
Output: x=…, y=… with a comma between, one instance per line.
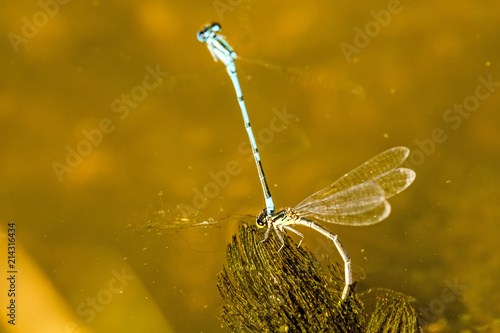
x=262, y=219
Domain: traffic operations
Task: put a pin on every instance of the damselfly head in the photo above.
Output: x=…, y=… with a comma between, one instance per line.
x=262, y=219
x=207, y=31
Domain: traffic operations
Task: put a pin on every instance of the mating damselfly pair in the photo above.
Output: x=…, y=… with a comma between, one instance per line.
x=357, y=198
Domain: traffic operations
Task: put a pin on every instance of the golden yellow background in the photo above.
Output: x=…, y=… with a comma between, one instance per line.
x=77, y=230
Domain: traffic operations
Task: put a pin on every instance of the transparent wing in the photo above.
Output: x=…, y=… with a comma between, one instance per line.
x=359, y=197
x=378, y=165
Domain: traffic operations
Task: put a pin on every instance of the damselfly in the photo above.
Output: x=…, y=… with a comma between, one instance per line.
x=357, y=198
x=221, y=51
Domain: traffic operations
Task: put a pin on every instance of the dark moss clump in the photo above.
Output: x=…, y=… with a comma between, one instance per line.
x=393, y=315
x=289, y=291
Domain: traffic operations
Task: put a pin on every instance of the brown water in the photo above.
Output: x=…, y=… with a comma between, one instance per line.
x=82, y=166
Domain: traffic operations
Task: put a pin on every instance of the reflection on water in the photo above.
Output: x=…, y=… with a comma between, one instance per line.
x=416, y=79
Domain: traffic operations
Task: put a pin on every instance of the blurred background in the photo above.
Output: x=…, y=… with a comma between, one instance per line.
x=119, y=131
